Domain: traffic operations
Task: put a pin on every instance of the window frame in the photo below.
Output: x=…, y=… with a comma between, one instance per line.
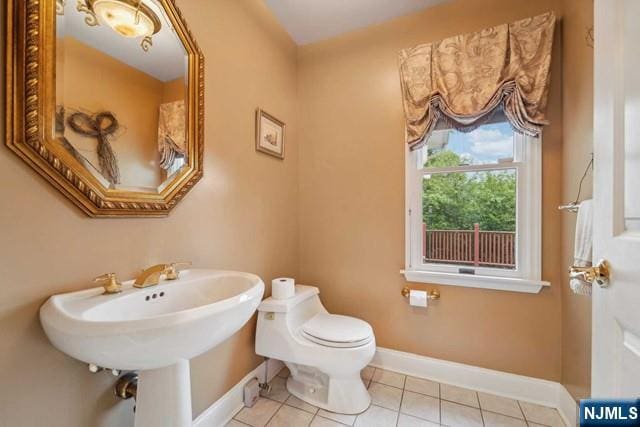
x=526, y=277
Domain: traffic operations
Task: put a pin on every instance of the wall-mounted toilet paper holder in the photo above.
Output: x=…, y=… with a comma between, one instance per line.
x=430, y=294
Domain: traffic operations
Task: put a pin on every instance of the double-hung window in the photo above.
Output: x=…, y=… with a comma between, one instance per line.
x=473, y=209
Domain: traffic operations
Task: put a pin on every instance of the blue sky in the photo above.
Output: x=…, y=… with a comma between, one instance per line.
x=486, y=144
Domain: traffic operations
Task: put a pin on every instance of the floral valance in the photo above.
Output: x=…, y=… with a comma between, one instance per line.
x=171, y=133
x=464, y=79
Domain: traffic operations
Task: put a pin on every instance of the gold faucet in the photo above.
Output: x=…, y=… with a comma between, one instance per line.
x=151, y=276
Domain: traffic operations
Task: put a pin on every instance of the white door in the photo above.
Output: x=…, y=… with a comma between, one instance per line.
x=616, y=308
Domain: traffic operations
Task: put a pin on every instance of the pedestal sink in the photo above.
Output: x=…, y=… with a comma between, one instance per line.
x=155, y=331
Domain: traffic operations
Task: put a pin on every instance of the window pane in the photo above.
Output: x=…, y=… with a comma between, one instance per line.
x=489, y=144
x=469, y=218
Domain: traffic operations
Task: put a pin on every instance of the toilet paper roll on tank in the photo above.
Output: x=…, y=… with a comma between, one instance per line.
x=283, y=288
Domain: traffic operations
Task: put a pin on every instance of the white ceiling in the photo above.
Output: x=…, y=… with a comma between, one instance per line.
x=166, y=60
x=308, y=21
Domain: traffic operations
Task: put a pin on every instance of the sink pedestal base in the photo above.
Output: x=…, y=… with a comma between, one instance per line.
x=164, y=397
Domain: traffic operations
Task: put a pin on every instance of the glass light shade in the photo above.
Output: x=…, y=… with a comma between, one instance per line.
x=124, y=18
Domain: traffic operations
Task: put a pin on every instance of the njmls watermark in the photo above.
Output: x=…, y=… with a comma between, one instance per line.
x=610, y=412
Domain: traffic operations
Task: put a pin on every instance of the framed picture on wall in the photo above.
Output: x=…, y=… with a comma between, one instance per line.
x=269, y=134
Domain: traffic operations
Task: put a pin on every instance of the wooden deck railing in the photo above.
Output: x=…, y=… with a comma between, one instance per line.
x=470, y=247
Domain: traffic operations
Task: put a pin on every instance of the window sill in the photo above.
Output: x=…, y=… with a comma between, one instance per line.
x=473, y=281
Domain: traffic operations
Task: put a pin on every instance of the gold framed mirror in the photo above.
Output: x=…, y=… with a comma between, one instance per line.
x=105, y=99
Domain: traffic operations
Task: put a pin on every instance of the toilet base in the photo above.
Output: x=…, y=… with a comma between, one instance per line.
x=345, y=395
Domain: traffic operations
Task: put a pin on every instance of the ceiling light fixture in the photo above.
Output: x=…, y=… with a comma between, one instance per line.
x=129, y=18
x=60, y=4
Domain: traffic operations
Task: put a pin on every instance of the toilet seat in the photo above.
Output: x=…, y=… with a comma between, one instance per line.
x=333, y=330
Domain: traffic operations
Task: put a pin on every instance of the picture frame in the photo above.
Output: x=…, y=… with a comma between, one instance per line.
x=270, y=134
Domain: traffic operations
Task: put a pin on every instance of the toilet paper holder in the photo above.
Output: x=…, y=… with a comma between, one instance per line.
x=432, y=295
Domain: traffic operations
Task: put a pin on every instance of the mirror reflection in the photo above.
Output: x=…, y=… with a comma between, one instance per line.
x=121, y=75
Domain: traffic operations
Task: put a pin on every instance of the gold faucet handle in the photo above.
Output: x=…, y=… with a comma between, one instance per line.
x=112, y=285
x=173, y=270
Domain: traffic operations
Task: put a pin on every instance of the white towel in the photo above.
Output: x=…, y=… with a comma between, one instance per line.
x=583, y=246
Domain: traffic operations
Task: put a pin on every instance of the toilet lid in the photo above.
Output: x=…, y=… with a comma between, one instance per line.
x=336, y=330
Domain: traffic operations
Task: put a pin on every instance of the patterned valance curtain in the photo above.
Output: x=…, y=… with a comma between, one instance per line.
x=463, y=80
x=171, y=133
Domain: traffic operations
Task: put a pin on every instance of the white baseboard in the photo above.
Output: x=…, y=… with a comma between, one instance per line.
x=567, y=406
x=221, y=412
x=534, y=390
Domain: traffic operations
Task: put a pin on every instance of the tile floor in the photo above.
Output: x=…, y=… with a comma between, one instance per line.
x=398, y=401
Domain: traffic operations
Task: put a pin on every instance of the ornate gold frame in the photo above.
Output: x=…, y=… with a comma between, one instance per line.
x=30, y=114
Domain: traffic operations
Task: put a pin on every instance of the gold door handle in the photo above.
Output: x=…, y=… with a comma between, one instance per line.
x=598, y=273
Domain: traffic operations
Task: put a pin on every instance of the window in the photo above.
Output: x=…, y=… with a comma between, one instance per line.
x=473, y=209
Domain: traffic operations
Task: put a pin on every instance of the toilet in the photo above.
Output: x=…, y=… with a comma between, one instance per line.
x=324, y=352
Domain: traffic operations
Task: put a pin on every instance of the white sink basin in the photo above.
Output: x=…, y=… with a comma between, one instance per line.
x=152, y=327
x=155, y=330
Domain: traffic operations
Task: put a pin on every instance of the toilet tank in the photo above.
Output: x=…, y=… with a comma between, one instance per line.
x=279, y=320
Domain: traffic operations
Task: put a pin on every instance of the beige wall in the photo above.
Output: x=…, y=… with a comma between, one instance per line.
x=351, y=200
x=577, y=97
x=173, y=90
x=234, y=218
x=95, y=82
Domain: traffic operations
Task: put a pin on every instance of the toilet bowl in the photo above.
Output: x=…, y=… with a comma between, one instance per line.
x=324, y=352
